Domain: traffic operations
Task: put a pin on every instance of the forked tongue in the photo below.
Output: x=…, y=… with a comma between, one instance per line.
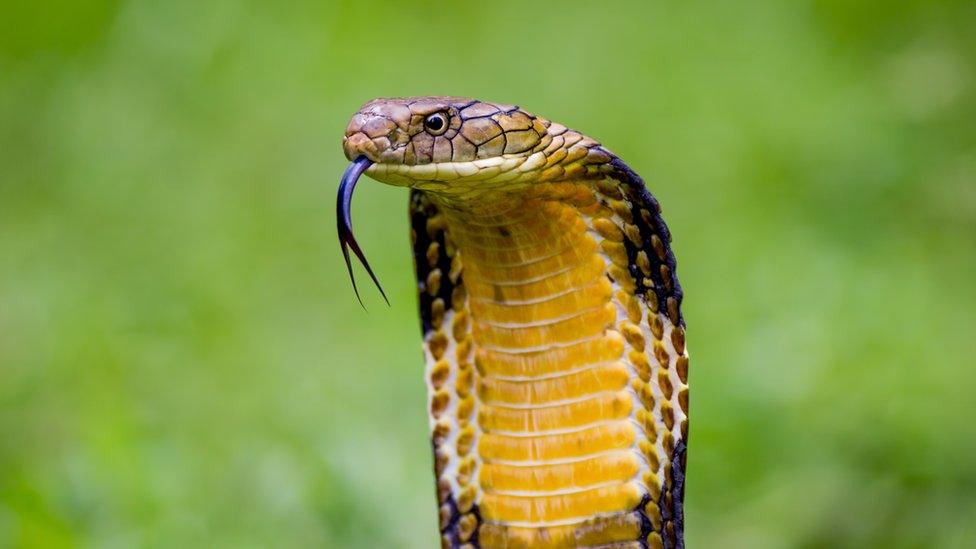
x=344, y=223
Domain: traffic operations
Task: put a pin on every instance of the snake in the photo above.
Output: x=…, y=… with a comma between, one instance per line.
x=550, y=312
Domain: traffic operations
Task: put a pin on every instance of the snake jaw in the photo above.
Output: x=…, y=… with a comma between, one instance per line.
x=347, y=240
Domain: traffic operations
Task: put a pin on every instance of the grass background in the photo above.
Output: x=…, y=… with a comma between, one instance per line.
x=182, y=360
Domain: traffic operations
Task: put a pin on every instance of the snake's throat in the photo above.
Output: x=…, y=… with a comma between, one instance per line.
x=347, y=240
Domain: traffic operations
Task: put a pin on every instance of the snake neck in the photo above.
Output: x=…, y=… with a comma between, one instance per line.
x=550, y=437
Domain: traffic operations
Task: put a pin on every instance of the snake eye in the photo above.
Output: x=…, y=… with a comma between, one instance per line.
x=436, y=123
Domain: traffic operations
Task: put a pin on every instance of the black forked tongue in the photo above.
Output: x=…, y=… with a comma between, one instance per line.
x=344, y=223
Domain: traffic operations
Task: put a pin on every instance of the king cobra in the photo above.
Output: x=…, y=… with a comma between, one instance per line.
x=557, y=372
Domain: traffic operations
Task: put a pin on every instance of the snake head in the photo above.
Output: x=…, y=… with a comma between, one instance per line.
x=459, y=148
x=430, y=142
x=433, y=143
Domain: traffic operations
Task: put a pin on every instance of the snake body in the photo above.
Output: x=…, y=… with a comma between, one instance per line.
x=557, y=370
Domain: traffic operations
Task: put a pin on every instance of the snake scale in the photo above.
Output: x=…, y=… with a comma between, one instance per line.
x=557, y=371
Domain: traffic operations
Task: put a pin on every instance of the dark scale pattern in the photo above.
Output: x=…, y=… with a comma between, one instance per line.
x=677, y=491
x=646, y=526
x=422, y=209
x=640, y=198
x=671, y=501
x=450, y=530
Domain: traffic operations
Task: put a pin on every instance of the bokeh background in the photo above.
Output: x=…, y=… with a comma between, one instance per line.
x=183, y=362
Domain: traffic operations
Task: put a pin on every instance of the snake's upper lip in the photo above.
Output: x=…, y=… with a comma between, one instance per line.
x=347, y=240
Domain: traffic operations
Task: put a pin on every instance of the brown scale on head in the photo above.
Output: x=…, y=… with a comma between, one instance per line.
x=550, y=308
x=439, y=129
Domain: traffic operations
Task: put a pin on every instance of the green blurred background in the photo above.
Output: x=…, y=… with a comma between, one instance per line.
x=183, y=362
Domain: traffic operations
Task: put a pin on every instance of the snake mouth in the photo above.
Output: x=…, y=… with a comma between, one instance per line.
x=347, y=240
